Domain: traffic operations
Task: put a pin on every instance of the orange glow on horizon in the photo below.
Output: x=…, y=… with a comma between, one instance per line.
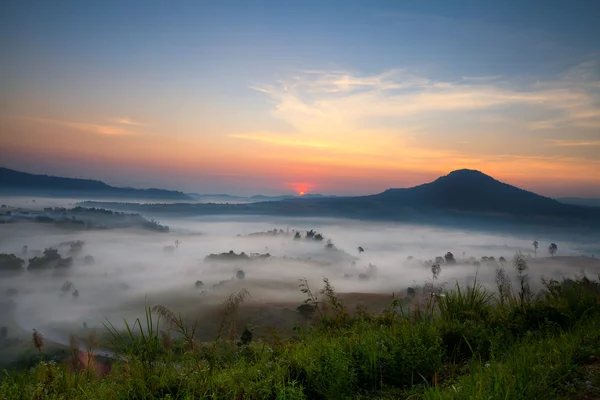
x=301, y=188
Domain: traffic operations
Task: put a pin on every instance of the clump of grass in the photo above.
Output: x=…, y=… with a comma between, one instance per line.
x=460, y=305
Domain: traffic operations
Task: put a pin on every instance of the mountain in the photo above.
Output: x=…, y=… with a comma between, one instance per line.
x=474, y=191
x=461, y=198
x=21, y=183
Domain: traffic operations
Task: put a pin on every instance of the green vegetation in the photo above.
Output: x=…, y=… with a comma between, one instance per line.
x=468, y=343
x=50, y=259
x=11, y=263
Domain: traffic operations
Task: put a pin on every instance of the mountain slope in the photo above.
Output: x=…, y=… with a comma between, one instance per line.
x=579, y=201
x=473, y=191
x=16, y=182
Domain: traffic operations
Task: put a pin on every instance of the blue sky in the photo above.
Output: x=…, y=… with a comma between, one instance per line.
x=212, y=91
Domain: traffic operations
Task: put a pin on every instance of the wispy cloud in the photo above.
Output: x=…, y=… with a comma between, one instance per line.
x=329, y=102
x=573, y=143
x=283, y=141
x=129, y=121
x=99, y=129
x=394, y=121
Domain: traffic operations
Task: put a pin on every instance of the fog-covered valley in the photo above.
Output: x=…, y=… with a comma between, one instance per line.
x=114, y=273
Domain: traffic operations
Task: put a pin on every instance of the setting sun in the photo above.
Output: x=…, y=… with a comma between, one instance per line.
x=301, y=193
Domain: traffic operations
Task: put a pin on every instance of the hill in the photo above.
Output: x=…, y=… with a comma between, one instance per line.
x=21, y=183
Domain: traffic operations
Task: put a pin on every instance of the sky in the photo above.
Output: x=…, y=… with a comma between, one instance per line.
x=337, y=97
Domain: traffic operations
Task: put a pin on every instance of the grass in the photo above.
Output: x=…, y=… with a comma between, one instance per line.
x=467, y=343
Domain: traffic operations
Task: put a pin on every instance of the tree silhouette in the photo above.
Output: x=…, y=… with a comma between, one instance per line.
x=535, y=246
x=360, y=250
x=552, y=249
x=246, y=337
x=435, y=270
x=449, y=258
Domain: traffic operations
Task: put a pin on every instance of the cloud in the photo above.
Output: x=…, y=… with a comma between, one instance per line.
x=400, y=121
x=279, y=140
x=336, y=98
x=573, y=143
x=334, y=104
x=99, y=129
x=129, y=121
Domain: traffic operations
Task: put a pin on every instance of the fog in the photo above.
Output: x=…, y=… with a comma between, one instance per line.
x=134, y=268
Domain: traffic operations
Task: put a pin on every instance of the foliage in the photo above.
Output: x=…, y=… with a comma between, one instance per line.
x=11, y=263
x=50, y=259
x=471, y=344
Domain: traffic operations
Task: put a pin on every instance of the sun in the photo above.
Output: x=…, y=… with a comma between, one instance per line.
x=301, y=188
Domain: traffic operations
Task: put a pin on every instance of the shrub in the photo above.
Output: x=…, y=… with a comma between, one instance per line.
x=11, y=263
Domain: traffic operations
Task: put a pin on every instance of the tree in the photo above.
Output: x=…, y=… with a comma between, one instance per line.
x=240, y=275
x=520, y=264
x=360, y=250
x=435, y=270
x=449, y=258
x=552, y=249
x=246, y=337
x=535, y=246
x=11, y=263
x=177, y=243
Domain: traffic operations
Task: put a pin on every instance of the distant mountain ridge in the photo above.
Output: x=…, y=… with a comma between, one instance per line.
x=221, y=197
x=16, y=182
x=464, y=195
